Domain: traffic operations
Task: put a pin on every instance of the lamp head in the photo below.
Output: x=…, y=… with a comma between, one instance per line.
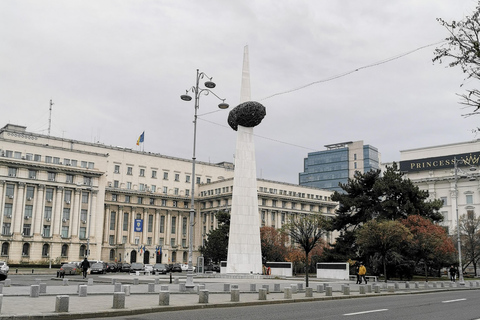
x=185, y=97
x=210, y=84
x=223, y=105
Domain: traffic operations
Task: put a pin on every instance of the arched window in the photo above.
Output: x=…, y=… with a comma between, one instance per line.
x=112, y=254
x=185, y=257
x=65, y=250
x=174, y=257
x=26, y=249
x=5, y=247
x=82, y=251
x=45, y=250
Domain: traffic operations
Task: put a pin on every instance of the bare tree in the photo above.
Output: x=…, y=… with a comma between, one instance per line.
x=470, y=239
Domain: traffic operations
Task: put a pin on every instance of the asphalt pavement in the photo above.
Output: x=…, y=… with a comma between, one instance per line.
x=17, y=301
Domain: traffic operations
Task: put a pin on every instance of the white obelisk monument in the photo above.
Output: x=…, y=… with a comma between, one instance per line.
x=244, y=247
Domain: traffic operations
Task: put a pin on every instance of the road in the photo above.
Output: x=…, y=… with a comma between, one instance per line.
x=458, y=305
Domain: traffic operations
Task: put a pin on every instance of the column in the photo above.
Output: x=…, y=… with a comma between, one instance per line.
x=143, y=238
x=75, y=214
x=17, y=215
x=95, y=232
x=38, y=213
x=131, y=225
x=57, y=212
x=120, y=225
x=106, y=224
x=2, y=198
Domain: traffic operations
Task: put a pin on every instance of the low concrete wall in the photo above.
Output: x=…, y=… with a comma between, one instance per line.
x=333, y=270
x=280, y=268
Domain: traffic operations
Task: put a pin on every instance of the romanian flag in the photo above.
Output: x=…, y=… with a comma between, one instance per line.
x=140, y=139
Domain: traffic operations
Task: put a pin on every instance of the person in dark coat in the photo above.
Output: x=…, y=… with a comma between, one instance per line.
x=85, y=265
x=452, y=272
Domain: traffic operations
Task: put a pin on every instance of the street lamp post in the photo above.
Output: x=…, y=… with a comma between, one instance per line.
x=197, y=91
x=459, y=243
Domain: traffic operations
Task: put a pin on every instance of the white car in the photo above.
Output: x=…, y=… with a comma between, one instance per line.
x=4, y=267
x=149, y=268
x=184, y=267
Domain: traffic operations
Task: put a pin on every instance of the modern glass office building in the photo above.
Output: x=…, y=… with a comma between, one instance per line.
x=326, y=169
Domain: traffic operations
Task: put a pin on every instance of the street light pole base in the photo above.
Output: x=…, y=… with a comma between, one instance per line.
x=189, y=284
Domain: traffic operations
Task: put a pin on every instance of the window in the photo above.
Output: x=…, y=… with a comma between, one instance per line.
x=274, y=203
x=127, y=199
x=124, y=239
x=111, y=240
x=141, y=187
x=66, y=162
x=116, y=169
x=150, y=223
x=470, y=214
x=64, y=231
x=112, y=220
x=174, y=203
x=469, y=198
x=5, y=247
x=10, y=190
x=83, y=250
x=29, y=156
x=37, y=157
x=142, y=172
x=129, y=185
x=74, y=163
x=187, y=178
x=152, y=201
x=139, y=200
x=177, y=177
x=69, y=178
x=185, y=204
x=184, y=226
x=27, y=227
x=172, y=242
x=83, y=215
x=175, y=191
x=32, y=174
x=83, y=164
x=87, y=181
x=67, y=196
x=26, y=249
x=116, y=183
x=83, y=233
x=125, y=221
x=149, y=241
x=48, y=213
x=137, y=240
x=66, y=214
x=64, y=252
x=154, y=188
x=154, y=174
x=84, y=197
x=45, y=250
x=49, y=194
x=187, y=192
x=198, y=180
x=165, y=190
x=56, y=160
x=209, y=180
x=162, y=224
x=28, y=211
x=174, y=222
x=46, y=230
x=51, y=176
x=114, y=197
x=91, y=165
x=48, y=159
x=6, y=228
x=129, y=171
x=165, y=176
x=112, y=254
x=30, y=192
x=164, y=202
x=184, y=243
x=7, y=212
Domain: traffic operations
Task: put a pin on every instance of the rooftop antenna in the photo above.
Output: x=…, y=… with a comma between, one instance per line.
x=50, y=117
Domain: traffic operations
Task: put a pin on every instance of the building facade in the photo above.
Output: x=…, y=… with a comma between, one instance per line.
x=326, y=169
x=63, y=199
x=433, y=169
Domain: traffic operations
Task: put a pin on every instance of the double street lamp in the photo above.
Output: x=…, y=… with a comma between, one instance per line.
x=459, y=242
x=197, y=91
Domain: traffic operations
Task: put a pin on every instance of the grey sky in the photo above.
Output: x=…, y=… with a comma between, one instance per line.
x=117, y=68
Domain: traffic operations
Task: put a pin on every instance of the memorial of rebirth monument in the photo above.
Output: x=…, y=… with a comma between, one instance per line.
x=244, y=247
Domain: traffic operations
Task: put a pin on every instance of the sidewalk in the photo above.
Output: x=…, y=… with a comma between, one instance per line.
x=17, y=303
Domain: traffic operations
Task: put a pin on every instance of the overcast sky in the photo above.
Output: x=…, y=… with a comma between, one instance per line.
x=117, y=68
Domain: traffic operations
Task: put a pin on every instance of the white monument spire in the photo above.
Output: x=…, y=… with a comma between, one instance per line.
x=245, y=88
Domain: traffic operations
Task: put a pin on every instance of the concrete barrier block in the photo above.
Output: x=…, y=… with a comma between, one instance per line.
x=226, y=287
x=136, y=281
x=126, y=288
x=376, y=288
x=157, y=280
x=82, y=290
x=300, y=286
x=287, y=293
x=176, y=280
x=417, y=285
x=203, y=296
x=450, y=284
x=43, y=287
x=37, y=281
x=320, y=288
x=294, y=288
x=164, y=298
x=34, y=291
x=118, y=300
x=151, y=287
x=65, y=282
x=253, y=287
x=471, y=284
x=425, y=285
x=442, y=284
x=369, y=288
x=235, y=295
x=407, y=285
x=391, y=288
x=90, y=281
x=276, y=287
x=164, y=287
x=266, y=286
x=62, y=303
x=114, y=280
x=309, y=292
x=396, y=285
x=346, y=290
x=262, y=294
x=1, y=302
x=117, y=287
x=8, y=282
x=362, y=289
x=182, y=287
x=328, y=291
x=434, y=284
x=200, y=287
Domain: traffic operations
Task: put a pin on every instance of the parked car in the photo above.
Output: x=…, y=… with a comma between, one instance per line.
x=111, y=267
x=176, y=268
x=160, y=268
x=70, y=268
x=136, y=266
x=184, y=267
x=212, y=267
x=149, y=267
x=125, y=267
x=98, y=267
x=4, y=267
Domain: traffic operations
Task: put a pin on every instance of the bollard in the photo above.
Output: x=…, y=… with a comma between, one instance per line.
x=262, y=294
x=361, y=289
x=164, y=298
x=90, y=281
x=266, y=286
x=118, y=300
x=226, y=287
x=203, y=296
x=235, y=295
x=300, y=286
x=82, y=290
x=294, y=288
x=151, y=287
x=471, y=284
x=61, y=303
x=328, y=291
x=253, y=287
x=320, y=288
x=34, y=290
x=65, y=282
x=309, y=292
x=287, y=293
x=43, y=287
x=369, y=288
x=33, y=270
x=407, y=285
x=170, y=277
x=136, y=281
x=276, y=287
x=346, y=290
x=8, y=282
x=182, y=287
x=391, y=289
x=376, y=288
x=126, y=289
x=16, y=270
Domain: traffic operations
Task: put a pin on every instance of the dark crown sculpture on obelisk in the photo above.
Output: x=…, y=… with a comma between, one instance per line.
x=244, y=247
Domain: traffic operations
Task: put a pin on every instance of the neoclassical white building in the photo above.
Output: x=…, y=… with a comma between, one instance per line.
x=433, y=169
x=61, y=198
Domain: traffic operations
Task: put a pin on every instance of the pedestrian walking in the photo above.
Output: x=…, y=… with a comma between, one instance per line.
x=357, y=272
x=362, y=271
x=85, y=265
x=452, y=272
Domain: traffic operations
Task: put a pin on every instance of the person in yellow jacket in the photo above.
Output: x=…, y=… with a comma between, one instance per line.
x=362, y=271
